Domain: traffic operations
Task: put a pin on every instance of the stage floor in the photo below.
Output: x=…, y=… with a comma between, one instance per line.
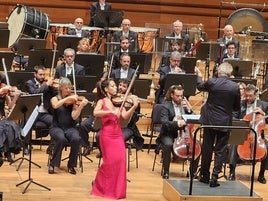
x=228, y=190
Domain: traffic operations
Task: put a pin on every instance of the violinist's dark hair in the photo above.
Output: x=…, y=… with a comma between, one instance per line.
x=124, y=80
x=101, y=86
x=39, y=67
x=171, y=91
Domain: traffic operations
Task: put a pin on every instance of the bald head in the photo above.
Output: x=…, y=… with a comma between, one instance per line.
x=78, y=23
x=228, y=31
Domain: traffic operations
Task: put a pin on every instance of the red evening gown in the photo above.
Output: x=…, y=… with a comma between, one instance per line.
x=110, y=181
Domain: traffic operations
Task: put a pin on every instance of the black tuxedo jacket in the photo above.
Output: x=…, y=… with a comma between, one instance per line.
x=116, y=73
x=95, y=7
x=61, y=70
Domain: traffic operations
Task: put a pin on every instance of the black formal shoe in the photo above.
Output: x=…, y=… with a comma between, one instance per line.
x=8, y=157
x=86, y=151
x=262, y=180
x=231, y=177
x=51, y=169
x=165, y=176
x=213, y=183
x=71, y=170
x=1, y=161
x=204, y=180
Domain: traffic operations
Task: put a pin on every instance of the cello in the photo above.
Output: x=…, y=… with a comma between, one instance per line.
x=246, y=150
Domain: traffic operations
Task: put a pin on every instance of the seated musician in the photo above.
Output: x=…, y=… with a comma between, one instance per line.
x=131, y=35
x=8, y=128
x=177, y=33
x=66, y=69
x=174, y=46
x=96, y=7
x=83, y=46
x=64, y=129
x=173, y=67
x=247, y=107
x=124, y=71
x=124, y=48
x=78, y=31
x=38, y=85
x=171, y=117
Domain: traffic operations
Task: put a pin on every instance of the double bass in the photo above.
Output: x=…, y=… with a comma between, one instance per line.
x=246, y=150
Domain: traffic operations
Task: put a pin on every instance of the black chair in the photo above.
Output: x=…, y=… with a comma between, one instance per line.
x=156, y=123
x=41, y=131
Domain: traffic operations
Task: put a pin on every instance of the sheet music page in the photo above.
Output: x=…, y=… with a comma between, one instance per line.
x=30, y=122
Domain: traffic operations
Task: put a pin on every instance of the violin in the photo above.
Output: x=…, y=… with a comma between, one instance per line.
x=246, y=150
x=118, y=100
x=78, y=101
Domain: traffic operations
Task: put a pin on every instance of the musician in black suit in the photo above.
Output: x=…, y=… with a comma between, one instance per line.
x=132, y=36
x=247, y=107
x=173, y=67
x=171, y=117
x=78, y=31
x=66, y=69
x=98, y=6
x=227, y=37
x=179, y=34
x=125, y=71
x=223, y=99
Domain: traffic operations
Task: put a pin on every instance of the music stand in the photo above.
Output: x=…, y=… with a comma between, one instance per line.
x=27, y=44
x=238, y=136
x=4, y=35
x=85, y=82
x=143, y=60
x=42, y=57
x=67, y=41
x=241, y=68
x=108, y=18
x=208, y=50
x=19, y=78
x=188, y=82
x=259, y=50
x=141, y=88
x=163, y=44
x=9, y=56
x=188, y=64
x=93, y=63
x=246, y=81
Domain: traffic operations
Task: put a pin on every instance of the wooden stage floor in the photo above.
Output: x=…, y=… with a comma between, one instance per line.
x=144, y=185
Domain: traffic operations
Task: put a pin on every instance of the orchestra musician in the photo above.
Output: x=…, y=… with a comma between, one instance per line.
x=96, y=7
x=38, y=85
x=174, y=46
x=67, y=110
x=223, y=99
x=131, y=35
x=112, y=143
x=9, y=128
x=171, y=117
x=177, y=33
x=78, y=31
x=83, y=46
x=66, y=69
x=247, y=107
x=227, y=37
x=124, y=48
x=173, y=67
x=124, y=71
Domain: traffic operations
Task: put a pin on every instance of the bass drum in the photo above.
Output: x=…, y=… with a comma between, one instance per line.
x=27, y=22
x=242, y=18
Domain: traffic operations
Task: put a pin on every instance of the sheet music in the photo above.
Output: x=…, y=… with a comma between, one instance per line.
x=30, y=122
x=191, y=118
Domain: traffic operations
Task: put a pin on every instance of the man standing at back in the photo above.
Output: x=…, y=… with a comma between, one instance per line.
x=223, y=99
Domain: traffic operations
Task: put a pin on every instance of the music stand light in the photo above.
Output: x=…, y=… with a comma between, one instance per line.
x=19, y=78
x=4, y=35
x=85, y=82
x=188, y=82
x=67, y=41
x=9, y=56
x=41, y=57
x=241, y=68
x=141, y=88
x=188, y=64
x=93, y=63
x=27, y=44
x=108, y=18
x=143, y=60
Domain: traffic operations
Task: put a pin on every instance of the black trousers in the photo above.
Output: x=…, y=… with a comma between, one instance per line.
x=220, y=139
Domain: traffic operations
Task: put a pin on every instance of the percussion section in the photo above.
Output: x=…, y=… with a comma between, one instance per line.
x=27, y=22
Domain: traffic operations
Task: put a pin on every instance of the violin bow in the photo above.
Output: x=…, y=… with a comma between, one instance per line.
x=74, y=81
x=5, y=69
x=53, y=60
x=110, y=69
x=130, y=86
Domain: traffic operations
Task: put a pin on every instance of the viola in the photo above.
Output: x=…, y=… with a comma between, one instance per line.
x=246, y=150
x=183, y=144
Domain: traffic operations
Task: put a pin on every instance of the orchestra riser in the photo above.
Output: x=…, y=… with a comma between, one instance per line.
x=178, y=190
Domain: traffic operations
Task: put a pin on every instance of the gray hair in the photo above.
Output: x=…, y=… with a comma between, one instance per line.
x=175, y=54
x=225, y=69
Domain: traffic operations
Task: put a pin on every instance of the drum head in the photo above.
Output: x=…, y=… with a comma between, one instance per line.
x=15, y=24
x=245, y=17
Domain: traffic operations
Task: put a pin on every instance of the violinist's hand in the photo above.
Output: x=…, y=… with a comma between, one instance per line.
x=186, y=104
x=181, y=123
x=84, y=102
x=135, y=100
x=72, y=98
x=197, y=71
x=259, y=111
x=50, y=81
x=177, y=69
